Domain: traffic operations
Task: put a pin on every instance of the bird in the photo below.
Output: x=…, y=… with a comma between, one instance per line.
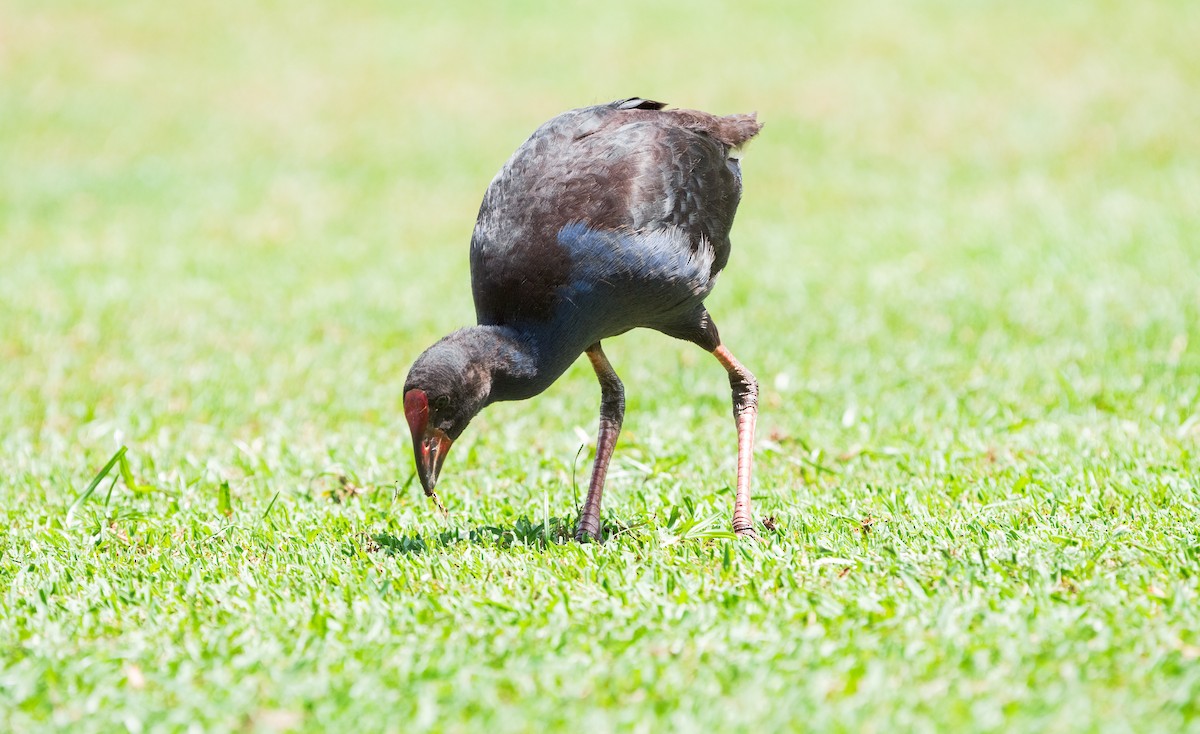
x=608, y=218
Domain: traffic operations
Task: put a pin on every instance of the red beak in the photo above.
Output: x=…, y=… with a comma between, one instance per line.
x=430, y=445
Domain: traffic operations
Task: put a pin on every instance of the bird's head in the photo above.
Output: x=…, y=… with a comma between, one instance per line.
x=446, y=387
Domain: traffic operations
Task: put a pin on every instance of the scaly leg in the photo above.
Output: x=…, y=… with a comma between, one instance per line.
x=612, y=412
x=745, y=413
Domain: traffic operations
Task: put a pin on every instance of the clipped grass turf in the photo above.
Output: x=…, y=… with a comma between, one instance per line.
x=965, y=271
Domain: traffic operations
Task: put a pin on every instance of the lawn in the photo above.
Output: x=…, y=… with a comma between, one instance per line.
x=966, y=271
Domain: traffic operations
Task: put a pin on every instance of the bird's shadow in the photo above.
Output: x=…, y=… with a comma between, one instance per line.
x=523, y=532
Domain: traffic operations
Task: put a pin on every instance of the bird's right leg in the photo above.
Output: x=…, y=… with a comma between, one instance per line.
x=700, y=330
x=612, y=412
x=745, y=414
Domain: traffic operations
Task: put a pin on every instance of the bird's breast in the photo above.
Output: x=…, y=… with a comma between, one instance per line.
x=624, y=280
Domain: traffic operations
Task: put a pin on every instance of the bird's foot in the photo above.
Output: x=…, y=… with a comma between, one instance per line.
x=583, y=535
x=746, y=532
x=588, y=529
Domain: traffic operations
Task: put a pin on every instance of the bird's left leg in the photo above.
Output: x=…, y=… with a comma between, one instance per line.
x=745, y=413
x=612, y=412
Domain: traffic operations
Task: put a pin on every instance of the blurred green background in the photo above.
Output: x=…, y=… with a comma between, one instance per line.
x=964, y=270
x=214, y=179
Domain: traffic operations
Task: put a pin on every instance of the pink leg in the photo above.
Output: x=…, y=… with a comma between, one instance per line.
x=745, y=413
x=612, y=412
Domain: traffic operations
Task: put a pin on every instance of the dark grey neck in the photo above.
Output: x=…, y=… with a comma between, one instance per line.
x=522, y=363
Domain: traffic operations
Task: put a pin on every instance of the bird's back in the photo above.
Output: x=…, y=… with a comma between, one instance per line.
x=626, y=192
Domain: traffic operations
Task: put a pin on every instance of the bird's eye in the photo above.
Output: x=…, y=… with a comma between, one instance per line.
x=441, y=402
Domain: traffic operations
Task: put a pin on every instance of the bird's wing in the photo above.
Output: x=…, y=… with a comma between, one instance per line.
x=628, y=167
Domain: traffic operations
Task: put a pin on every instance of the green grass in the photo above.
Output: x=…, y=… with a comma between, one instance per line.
x=966, y=272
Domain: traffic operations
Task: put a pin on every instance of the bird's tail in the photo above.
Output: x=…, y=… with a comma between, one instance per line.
x=731, y=130
x=735, y=130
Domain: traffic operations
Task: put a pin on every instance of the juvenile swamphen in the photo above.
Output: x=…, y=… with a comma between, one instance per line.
x=608, y=218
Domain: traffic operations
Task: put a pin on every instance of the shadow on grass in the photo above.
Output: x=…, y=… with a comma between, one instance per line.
x=523, y=532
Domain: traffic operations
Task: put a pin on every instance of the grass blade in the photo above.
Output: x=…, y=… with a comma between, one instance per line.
x=82, y=498
x=224, y=500
x=267, y=512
